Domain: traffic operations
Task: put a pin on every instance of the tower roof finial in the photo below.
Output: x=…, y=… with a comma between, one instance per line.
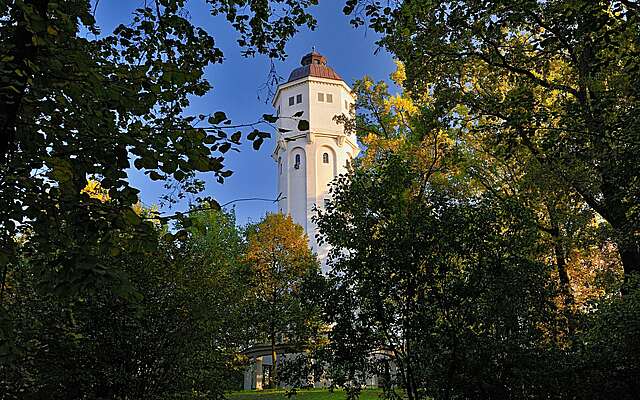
x=313, y=58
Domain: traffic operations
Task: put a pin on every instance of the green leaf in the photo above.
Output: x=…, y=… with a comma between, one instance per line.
x=130, y=217
x=137, y=163
x=257, y=143
x=181, y=235
x=60, y=170
x=129, y=194
x=269, y=118
x=200, y=164
x=145, y=162
x=155, y=176
x=224, y=147
x=115, y=251
x=210, y=139
x=217, y=118
x=213, y=204
x=303, y=125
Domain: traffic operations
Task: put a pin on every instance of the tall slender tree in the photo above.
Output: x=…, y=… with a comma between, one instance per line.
x=281, y=262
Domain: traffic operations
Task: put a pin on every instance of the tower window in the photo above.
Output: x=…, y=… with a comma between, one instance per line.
x=321, y=97
x=291, y=100
x=280, y=165
x=346, y=104
x=297, y=163
x=299, y=99
x=278, y=110
x=329, y=98
x=325, y=158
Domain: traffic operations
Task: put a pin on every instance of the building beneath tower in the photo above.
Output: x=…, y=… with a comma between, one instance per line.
x=307, y=161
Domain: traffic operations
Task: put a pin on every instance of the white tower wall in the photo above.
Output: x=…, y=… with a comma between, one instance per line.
x=304, y=171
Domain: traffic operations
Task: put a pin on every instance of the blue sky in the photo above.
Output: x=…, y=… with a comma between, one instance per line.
x=236, y=84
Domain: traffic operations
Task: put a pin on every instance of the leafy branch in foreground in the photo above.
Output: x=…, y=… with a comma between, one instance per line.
x=77, y=105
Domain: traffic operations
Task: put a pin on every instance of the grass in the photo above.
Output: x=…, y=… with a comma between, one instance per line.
x=303, y=394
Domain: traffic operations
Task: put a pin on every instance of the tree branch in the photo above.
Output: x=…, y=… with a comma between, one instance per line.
x=215, y=208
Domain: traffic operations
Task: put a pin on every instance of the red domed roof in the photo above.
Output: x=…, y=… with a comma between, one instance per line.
x=313, y=64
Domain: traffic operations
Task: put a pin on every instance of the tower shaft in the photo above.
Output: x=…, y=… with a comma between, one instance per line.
x=307, y=161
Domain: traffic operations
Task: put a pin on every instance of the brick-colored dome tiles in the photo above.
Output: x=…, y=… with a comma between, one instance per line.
x=313, y=64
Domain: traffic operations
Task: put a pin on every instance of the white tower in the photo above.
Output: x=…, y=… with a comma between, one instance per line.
x=308, y=160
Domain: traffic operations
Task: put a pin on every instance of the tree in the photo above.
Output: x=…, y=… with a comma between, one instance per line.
x=556, y=81
x=408, y=124
x=76, y=105
x=462, y=237
x=180, y=335
x=282, y=266
x=449, y=288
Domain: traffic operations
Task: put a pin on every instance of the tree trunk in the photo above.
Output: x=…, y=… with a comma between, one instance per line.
x=630, y=257
x=408, y=332
x=614, y=187
x=628, y=247
x=563, y=274
x=411, y=385
x=272, y=378
x=561, y=261
x=272, y=334
x=400, y=365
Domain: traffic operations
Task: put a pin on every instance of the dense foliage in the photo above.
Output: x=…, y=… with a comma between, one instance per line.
x=549, y=83
x=456, y=287
x=462, y=302
x=179, y=335
x=79, y=104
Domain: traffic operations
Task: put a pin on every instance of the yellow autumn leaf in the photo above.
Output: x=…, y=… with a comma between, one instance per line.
x=95, y=191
